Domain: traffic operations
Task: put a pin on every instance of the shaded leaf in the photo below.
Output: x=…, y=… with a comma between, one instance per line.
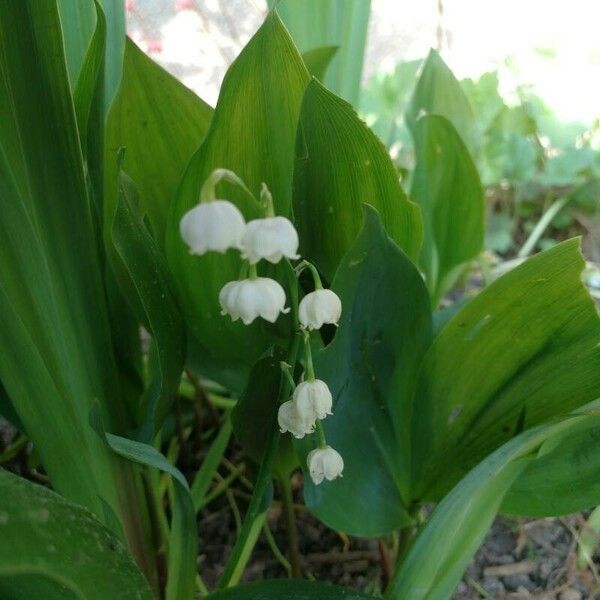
x=160, y=123
x=446, y=186
x=318, y=59
x=146, y=283
x=299, y=590
x=371, y=368
x=51, y=549
x=340, y=166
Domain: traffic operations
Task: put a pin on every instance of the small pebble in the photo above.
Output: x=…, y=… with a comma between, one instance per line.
x=570, y=594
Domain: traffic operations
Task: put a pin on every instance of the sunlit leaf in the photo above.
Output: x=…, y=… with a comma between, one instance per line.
x=340, y=166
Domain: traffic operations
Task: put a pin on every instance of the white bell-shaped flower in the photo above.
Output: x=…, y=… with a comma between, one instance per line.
x=313, y=399
x=216, y=226
x=320, y=307
x=324, y=463
x=271, y=239
x=251, y=298
x=290, y=419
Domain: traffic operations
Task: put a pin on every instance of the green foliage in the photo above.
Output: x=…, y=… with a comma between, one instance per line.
x=250, y=135
x=371, y=369
x=331, y=186
x=340, y=23
x=53, y=549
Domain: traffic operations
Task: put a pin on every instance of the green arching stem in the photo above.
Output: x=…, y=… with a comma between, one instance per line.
x=266, y=199
x=310, y=370
x=290, y=524
x=286, y=371
x=321, y=434
x=244, y=270
x=252, y=273
x=313, y=271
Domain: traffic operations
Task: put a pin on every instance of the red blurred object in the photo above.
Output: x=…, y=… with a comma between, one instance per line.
x=154, y=46
x=129, y=5
x=184, y=4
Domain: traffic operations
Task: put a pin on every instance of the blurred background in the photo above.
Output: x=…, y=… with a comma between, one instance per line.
x=529, y=73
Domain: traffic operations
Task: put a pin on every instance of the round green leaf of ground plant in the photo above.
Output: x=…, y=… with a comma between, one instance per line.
x=160, y=123
x=446, y=544
x=564, y=477
x=253, y=134
x=340, y=166
x=50, y=548
x=446, y=186
x=526, y=349
x=371, y=368
x=438, y=92
x=280, y=589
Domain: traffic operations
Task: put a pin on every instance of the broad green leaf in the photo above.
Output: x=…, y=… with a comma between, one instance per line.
x=279, y=589
x=56, y=351
x=340, y=166
x=51, y=549
x=341, y=23
x=257, y=407
x=253, y=134
x=446, y=186
x=183, y=540
x=444, y=547
x=525, y=349
x=160, y=123
x=438, y=92
x=371, y=368
x=146, y=283
x=318, y=59
x=564, y=477
x=78, y=20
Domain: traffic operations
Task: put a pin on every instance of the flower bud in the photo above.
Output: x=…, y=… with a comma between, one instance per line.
x=313, y=399
x=251, y=298
x=216, y=226
x=324, y=463
x=271, y=239
x=319, y=307
x=290, y=419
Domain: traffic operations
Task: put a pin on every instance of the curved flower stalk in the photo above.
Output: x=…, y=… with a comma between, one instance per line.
x=217, y=225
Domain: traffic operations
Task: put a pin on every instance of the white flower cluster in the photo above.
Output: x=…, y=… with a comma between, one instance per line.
x=217, y=226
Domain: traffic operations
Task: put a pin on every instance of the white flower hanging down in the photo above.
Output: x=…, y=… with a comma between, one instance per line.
x=319, y=308
x=324, y=463
x=313, y=399
x=251, y=298
x=212, y=226
x=271, y=238
x=292, y=420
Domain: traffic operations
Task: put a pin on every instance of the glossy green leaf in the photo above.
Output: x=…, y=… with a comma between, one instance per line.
x=279, y=589
x=183, y=541
x=78, y=21
x=446, y=186
x=445, y=546
x=253, y=134
x=146, y=283
x=438, y=92
x=318, y=59
x=371, y=368
x=525, y=349
x=51, y=549
x=341, y=23
x=340, y=166
x=56, y=350
x=160, y=123
x=564, y=477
